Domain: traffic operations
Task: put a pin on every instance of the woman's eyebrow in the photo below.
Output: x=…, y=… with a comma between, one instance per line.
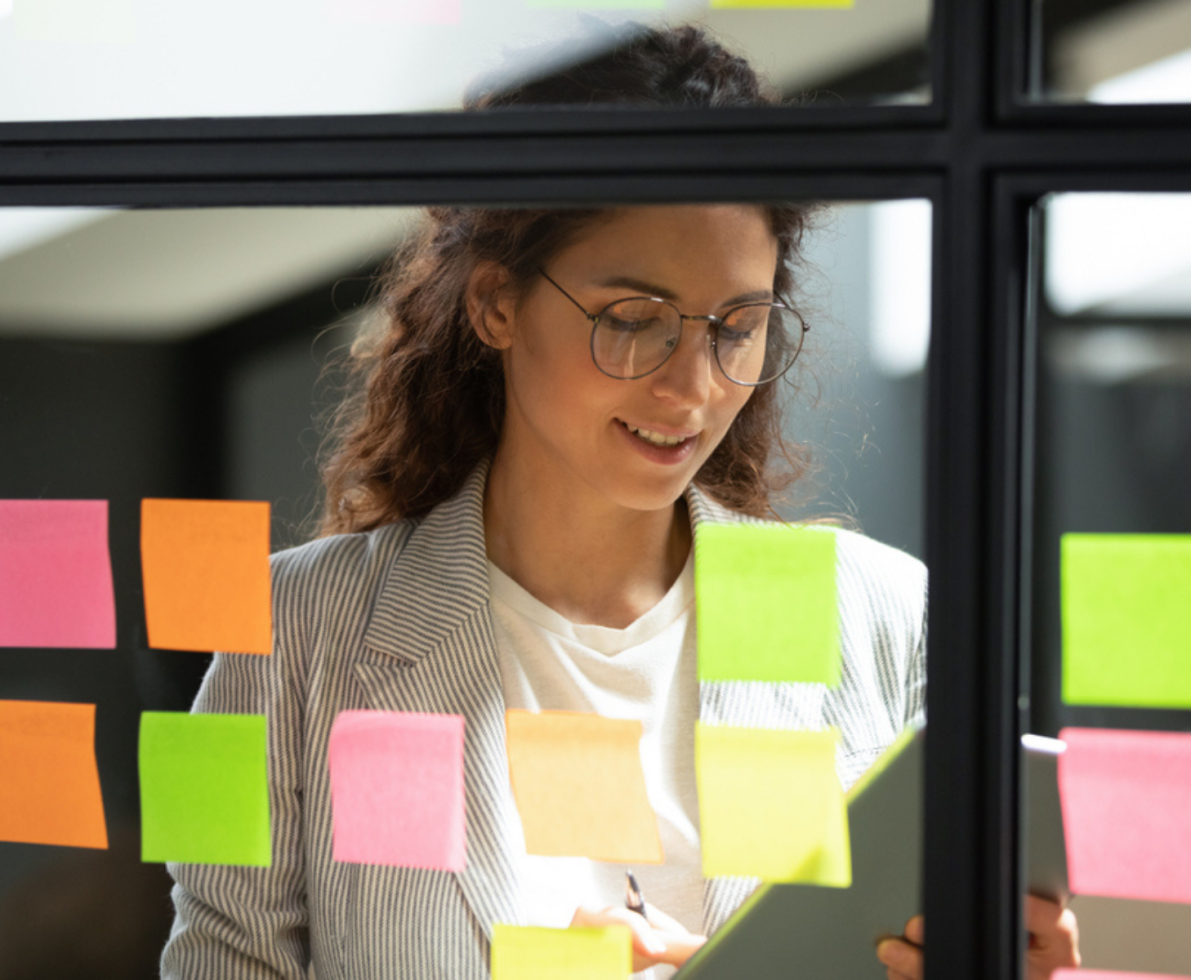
x=643, y=288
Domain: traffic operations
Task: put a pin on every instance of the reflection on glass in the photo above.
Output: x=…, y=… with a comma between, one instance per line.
x=1113, y=456
x=74, y=59
x=1122, y=52
x=178, y=353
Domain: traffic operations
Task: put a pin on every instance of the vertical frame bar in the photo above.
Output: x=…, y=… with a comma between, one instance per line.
x=973, y=497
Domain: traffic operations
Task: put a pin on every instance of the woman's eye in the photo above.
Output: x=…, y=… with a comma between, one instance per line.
x=629, y=326
x=736, y=335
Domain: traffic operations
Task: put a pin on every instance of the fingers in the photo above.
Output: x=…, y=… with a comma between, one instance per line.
x=647, y=945
x=1054, y=937
x=916, y=930
x=902, y=960
x=661, y=939
x=659, y=920
x=679, y=947
x=680, y=944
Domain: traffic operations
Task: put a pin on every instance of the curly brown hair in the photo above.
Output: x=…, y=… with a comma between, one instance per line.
x=429, y=394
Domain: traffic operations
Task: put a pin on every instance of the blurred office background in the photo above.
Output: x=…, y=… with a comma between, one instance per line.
x=180, y=352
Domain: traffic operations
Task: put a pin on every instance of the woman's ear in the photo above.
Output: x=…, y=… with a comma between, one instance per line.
x=491, y=304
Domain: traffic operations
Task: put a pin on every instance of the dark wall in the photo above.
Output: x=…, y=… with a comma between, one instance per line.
x=97, y=421
x=226, y=415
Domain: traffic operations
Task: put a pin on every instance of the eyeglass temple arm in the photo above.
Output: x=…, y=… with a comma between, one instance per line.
x=591, y=316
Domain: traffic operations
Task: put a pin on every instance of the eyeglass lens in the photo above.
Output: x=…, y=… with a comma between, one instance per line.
x=755, y=343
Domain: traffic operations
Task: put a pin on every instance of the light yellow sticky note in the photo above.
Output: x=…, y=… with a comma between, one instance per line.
x=580, y=788
x=771, y=805
x=538, y=953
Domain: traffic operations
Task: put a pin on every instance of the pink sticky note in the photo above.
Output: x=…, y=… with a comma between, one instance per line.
x=1127, y=813
x=1110, y=975
x=55, y=574
x=397, y=11
x=397, y=789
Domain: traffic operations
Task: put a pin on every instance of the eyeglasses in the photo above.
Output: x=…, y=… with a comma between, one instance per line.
x=753, y=343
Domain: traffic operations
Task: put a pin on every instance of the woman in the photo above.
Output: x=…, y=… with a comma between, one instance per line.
x=557, y=400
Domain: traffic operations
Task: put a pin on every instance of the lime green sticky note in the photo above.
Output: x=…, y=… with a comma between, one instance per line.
x=204, y=790
x=1126, y=606
x=538, y=953
x=771, y=805
x=765, y=602
x=768, y=4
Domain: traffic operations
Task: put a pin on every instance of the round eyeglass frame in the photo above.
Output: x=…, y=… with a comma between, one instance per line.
x=715, y=322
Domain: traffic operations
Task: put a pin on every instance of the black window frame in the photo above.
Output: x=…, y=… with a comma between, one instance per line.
x=981, y=151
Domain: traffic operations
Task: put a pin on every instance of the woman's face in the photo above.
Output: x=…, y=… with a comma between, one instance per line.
x=570, y=427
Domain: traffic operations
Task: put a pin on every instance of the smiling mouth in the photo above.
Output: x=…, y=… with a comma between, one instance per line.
x=655, y=438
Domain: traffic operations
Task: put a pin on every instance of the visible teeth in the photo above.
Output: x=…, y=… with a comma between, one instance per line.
x=656, y=438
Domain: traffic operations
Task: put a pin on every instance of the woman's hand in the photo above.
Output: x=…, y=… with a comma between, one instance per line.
x=1053, y=943
x=658, y=939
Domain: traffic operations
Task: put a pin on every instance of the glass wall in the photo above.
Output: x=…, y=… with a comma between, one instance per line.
x=184, y=354
x=1112, y=563
x=1113, y=51
x=125, y=59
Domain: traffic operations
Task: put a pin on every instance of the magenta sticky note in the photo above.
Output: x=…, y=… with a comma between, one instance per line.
x=1126, y=799
x=56, y=574
x=397, y=789
x=1111, y=975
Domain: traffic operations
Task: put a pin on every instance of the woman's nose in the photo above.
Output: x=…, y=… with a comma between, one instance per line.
x=686, y=376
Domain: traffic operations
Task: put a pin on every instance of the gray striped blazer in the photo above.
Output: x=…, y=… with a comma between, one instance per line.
x=399, y=619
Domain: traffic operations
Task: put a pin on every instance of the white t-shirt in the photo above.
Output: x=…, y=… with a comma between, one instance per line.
x=644, y=672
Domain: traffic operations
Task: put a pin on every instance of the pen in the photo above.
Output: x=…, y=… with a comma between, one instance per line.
x=634, y=901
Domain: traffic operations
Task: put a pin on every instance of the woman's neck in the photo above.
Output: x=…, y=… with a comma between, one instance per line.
x=589, y=560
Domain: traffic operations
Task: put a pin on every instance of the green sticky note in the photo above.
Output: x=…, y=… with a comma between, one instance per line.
x=1126, y=604
x=765, y=602
x=538, y=953
x=204, y=790
x=771, y=805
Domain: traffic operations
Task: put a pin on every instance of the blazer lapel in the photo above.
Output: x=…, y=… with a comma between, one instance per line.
x=434, y=620
x=745, y=704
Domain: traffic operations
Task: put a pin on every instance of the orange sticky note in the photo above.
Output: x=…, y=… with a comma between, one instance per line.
x=580, y=788
x=206, y=571
x=49, y=787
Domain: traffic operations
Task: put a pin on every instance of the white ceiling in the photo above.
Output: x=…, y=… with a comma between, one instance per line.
x=164, y=274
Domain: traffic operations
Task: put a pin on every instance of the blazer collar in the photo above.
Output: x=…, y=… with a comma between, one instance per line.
x=440, y=579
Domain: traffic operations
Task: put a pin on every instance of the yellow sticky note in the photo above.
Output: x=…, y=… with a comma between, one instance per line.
x=537, y=953
x=771, y=805
x=580, y=788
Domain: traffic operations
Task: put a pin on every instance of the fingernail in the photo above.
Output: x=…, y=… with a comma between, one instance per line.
x=887, y=952
x=656, y=947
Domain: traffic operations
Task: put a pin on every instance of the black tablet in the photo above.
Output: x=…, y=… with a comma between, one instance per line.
x=818, y=933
